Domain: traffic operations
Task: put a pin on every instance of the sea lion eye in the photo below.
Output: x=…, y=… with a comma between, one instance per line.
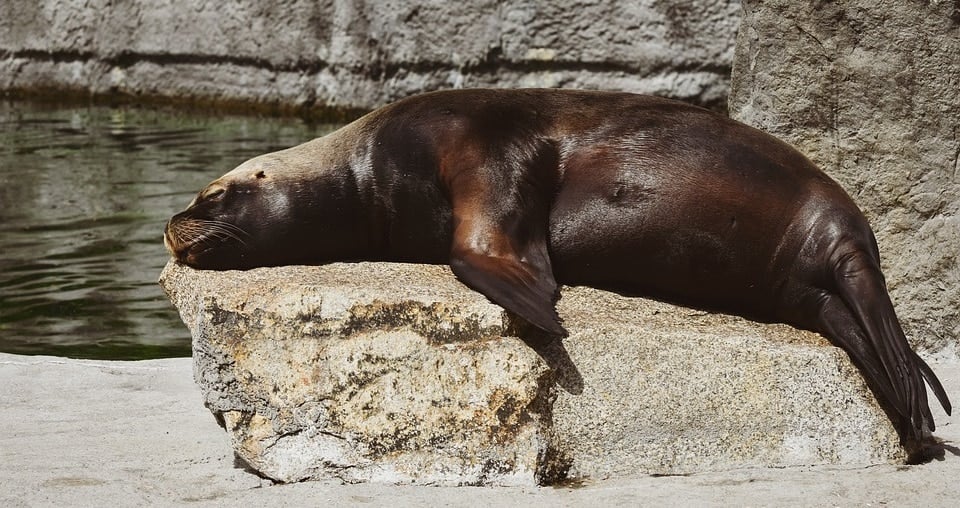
x=214, y=194
x=260, y=174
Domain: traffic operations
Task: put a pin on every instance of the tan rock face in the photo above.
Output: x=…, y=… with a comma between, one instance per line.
x=398, y=373
x=869, y=91
x=340, y=381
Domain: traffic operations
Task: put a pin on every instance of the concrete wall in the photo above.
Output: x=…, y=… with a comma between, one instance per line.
x=364, y=53
x=870, y=91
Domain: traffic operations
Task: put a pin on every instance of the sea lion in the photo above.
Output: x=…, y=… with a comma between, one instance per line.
x=521, y=189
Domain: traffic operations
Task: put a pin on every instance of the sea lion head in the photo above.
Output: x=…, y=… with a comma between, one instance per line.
x=271, y=210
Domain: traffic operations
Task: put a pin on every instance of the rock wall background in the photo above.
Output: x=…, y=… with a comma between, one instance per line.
x=359, y=54
x=870, y=90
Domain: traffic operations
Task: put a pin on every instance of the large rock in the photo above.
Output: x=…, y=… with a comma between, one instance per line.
x=399, y=373
x=362, y=54
x=870, y=90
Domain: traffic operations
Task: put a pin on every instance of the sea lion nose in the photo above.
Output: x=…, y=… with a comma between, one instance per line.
x=166, y=239
x=171, y=240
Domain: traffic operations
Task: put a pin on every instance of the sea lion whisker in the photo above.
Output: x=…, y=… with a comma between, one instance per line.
x=223, y=235
x=181, y=231
x=190, y=234
x=209, y=234
x=195, y=232
x=198, y=230
x=229, y=226
x=219, y=231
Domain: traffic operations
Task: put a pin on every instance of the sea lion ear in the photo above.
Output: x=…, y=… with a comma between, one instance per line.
x=521, y=282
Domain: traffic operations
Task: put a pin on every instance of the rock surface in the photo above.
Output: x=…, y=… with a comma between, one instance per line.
x=360, y=54
x=96, y=433
x=870, y=91
x=398, y=373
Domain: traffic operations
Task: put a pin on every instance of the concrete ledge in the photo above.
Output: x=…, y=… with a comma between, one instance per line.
x=80, y=432
x=416, y=378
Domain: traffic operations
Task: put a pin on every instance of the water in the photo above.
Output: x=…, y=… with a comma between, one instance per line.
x=84, y=195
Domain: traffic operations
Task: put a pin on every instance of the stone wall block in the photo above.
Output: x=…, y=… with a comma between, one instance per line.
x=363, y=54
x=870, y=91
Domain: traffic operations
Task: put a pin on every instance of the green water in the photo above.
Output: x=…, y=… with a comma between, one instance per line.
x=84, y=195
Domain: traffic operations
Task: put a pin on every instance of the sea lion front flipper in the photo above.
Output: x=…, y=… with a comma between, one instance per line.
x=522, y=284
x=501, y=205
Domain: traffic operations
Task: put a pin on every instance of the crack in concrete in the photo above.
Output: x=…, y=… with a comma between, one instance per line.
x=956, y=156
x=377, y=68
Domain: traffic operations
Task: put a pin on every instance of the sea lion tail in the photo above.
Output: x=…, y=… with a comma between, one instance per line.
x=885, y=355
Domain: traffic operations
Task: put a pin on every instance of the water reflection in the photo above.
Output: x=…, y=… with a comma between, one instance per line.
x=84, y=194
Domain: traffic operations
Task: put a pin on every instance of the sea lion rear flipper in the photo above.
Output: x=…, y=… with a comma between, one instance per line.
x=861, y=287
x=934, y=383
